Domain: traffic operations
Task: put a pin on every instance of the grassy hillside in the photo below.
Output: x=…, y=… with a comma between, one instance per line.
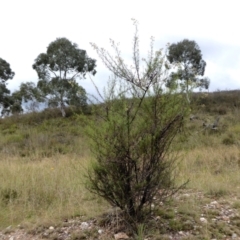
x=43, y=160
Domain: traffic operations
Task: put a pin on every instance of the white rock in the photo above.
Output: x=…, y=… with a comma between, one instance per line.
x=234, y=235
x=214, y=203
x=180, y=233
x=100, y=231
x=203, y=220
x=51, y=228
x=121, y=235
x=11, y=238
x=84, y=225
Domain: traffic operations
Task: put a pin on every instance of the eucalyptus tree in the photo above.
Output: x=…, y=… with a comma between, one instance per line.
x=74, y=94
x=6, y=74
x=191, y=67
x=59, y=69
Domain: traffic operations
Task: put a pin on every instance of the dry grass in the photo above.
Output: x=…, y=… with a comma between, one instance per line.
x=213, y=170
x=48, y=190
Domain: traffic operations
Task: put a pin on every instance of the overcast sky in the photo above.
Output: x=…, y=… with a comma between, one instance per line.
x=28, y=26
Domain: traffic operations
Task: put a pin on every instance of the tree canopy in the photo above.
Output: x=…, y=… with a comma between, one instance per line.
x=65, y=60
x=191, y=67
x=6, y=74
x=59, y=69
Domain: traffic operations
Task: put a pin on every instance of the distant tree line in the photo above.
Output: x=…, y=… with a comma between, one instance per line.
x=64, y=63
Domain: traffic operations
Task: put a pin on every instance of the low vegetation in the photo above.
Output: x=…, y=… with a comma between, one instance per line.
x=44, y=159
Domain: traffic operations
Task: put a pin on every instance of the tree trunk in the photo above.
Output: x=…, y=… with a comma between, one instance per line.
x=63, y=110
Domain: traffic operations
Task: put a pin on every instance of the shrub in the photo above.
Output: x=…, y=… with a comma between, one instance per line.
x=229, y=140
x=131, y=134
x=7, y=195
x=222, y=110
